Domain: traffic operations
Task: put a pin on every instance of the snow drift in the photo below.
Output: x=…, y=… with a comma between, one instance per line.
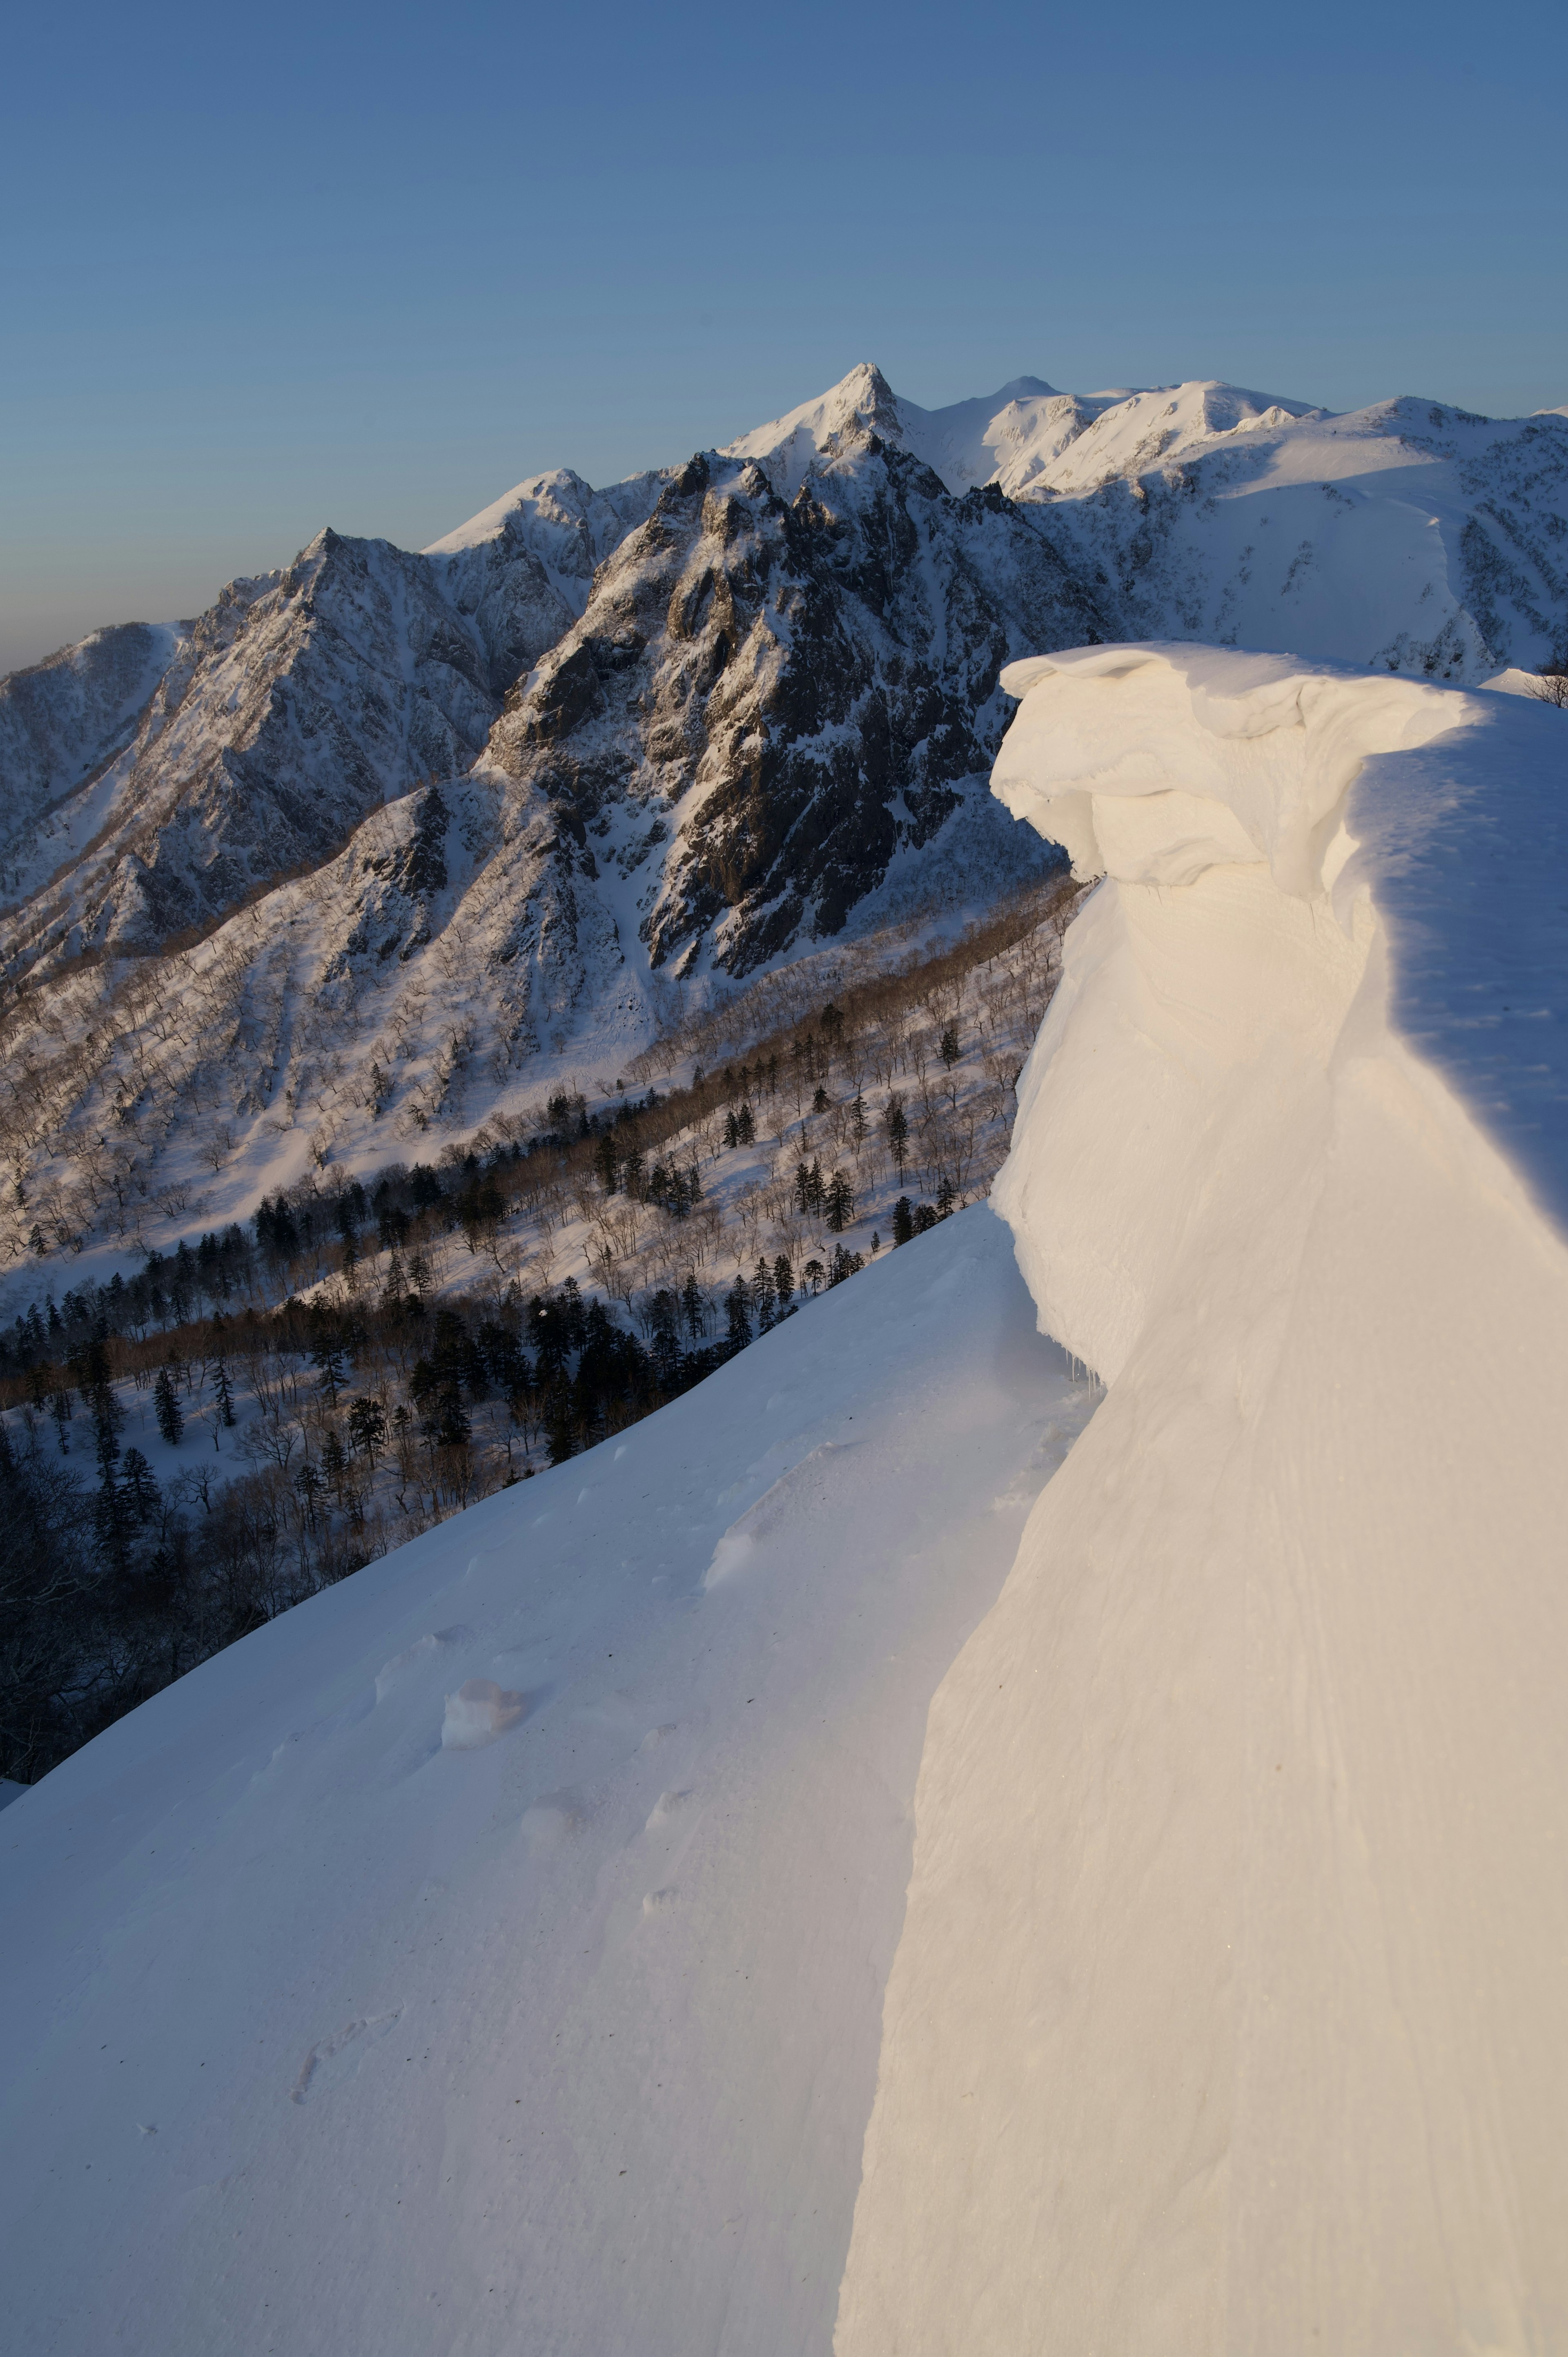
x=488, y=1954
x=1227, y=2015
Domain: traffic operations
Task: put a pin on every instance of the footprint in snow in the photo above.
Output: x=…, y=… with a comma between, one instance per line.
x=666, y=1806
x=333, y=2059
x=393, y=1673
x=478, y=1713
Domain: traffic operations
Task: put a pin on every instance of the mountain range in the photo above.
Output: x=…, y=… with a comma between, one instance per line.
x=387, y=836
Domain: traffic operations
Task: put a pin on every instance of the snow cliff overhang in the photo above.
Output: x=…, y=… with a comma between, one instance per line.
x=1226, y=2012
x=1300, y=860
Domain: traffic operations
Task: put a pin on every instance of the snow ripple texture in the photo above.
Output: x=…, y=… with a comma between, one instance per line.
x=1227, y=2013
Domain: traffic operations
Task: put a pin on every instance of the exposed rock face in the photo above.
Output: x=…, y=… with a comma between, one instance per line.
x=798, y=689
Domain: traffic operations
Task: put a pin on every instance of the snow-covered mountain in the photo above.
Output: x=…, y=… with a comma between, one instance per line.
x=878, y=1856
x=426, y=821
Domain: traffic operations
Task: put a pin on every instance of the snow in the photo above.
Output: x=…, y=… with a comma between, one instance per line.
x=326, y=2032
x=1227, y=2011
x=1026, y=437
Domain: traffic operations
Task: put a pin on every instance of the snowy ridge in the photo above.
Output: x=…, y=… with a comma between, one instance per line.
x=1225, y=2010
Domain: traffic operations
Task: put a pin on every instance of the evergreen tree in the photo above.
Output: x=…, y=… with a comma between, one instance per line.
x=223, y=1396
x=368, y=1426
x=307, y=1481
x=665, y=1324
x=783, y=1282
x=857, y=1118
x=560, y=1438
x=819, y=1102
x=811, y=1276
x=732, y=1129
x=328, y=1358
x=746, y=1127
x=165, y=1407
x=950, y=1050
x=140, y=1487
x=452, y=1429
x=946, y=1196
x=895, y=1121
x=738, y=1311
x=903, y=1222
x=762, y=1295
x=692, y=1305
x=840, y=1203
x=334, y=1465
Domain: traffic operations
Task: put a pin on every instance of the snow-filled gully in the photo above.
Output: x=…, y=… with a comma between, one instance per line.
x=1227, y=2014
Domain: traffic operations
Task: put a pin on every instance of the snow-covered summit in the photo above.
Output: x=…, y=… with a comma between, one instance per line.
x=1027, y=437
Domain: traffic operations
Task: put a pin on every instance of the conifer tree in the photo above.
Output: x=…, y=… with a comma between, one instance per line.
x=223, y=1396
x=737, y=1312
x=903, y=1222
x=783, y=1282
x=140, y=1487
x=895, y=1121
x=329, y=1361
x=334, y=1465
x=165, y=1407
x=840, y=1203
x=368, y=1426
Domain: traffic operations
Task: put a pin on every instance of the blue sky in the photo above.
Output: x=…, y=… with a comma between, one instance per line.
x=264, y=270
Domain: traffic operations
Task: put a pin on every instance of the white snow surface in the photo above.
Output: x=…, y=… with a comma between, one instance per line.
x=1227, y=2015
x=490, y=1953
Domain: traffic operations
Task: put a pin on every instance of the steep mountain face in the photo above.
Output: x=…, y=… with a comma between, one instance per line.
x=61, y=722
x=795, y=690
x=298, y=703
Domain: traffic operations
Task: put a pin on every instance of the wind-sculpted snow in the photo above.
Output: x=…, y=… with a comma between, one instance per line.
x=1226, y=2012
x=488, y=1954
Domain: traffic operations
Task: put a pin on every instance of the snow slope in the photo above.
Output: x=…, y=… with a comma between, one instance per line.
x=488, y=1954
x=1227, y=2013
x=61, y=721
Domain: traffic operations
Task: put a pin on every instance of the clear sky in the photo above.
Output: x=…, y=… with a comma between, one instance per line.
x=273, y=268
